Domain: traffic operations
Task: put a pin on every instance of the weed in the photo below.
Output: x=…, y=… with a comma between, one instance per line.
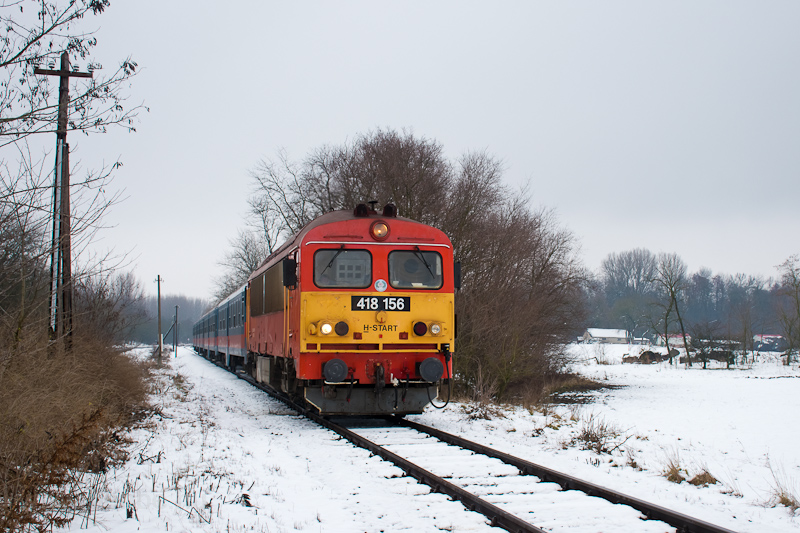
x=598, y=435
x=537, y=432
x=784, y=490
x=672, y=469
x=482, y=411
x=732, y=487
x=600, y=355
x=703, y=479
x=630, y=460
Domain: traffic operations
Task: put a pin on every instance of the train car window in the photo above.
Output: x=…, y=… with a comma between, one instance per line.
x=257, y=296
x=273, y=289
x=415, y=269
x=340, y=268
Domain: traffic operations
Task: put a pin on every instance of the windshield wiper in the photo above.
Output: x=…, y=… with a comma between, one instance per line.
x=418, y=253
x=340, y=250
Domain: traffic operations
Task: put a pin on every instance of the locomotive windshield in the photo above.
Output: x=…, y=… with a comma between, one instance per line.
x=415, y=269
x=340, y=268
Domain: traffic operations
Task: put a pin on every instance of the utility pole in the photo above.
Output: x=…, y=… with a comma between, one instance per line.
x=160, y=338
x=175, y=334
x=61, y=252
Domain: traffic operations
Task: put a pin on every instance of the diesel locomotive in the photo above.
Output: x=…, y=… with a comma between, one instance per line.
x=352, y=315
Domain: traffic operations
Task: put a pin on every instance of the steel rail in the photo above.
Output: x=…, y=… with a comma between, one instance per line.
x=683, y=523
x=497, y=517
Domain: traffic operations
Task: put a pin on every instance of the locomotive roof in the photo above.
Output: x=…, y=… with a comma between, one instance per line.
x=327, y=218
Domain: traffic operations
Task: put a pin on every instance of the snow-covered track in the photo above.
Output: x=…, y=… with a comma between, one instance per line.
x=653, y=518
x=681, y=522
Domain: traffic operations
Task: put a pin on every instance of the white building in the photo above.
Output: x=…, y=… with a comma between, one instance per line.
x=607, y=336
x=675, y=339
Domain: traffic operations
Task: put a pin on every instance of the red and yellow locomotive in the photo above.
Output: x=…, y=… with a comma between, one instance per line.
x=354, y=314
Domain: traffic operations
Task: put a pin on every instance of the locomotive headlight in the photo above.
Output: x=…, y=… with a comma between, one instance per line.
x=436, y=329
x=379, y=230
x=326, y=329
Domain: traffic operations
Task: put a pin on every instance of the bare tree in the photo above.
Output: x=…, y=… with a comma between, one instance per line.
x=476, y=190
x=661, y=320
x=246, y=253
x=671, y=278
x=35, y=33
x=706, y=339
x=520, y=301
x=108, y=305
x=743, y=318
x=789, y=305
x=628, y=288
x=629, y=272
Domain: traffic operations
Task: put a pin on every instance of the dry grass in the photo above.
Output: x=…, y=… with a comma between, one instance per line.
x=703, y=479
x=599, y=435
x=482, y=411
x=630, y=460
x=784, y=491
x=673, y=470
x=58, y=419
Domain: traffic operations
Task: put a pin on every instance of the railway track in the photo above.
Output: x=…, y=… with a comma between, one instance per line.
x=513, y=494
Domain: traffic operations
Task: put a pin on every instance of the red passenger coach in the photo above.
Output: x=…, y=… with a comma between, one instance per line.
x=355, y=314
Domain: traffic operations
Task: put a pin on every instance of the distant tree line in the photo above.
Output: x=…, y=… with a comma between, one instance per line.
x=146, y=328
x=654, y=294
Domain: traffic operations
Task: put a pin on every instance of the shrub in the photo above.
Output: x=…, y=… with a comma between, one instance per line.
x=58, y=419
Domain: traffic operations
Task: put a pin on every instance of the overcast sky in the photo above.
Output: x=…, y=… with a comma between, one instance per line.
x=670, y=125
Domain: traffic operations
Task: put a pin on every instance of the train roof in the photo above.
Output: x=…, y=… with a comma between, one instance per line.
x=322, y=220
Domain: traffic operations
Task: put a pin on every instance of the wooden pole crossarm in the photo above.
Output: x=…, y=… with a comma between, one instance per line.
x=61, y=73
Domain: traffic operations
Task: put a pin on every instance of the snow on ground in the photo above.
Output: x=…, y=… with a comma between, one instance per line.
x=221, y=455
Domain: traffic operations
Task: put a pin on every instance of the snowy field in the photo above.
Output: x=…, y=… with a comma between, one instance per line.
x=221, y=455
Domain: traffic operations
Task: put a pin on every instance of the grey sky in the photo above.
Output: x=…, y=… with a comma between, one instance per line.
x=668, y=125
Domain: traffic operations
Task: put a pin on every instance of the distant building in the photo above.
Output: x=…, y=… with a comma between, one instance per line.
x=675, y=339
x=769, y=343
x=607, y=336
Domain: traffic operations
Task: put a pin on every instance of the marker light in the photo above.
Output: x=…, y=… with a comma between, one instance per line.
x=326, y=329
x=436, y=329
x=379, y=230
x=420, y=329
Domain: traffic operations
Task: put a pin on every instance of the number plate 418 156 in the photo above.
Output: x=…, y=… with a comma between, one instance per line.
x=381, y=303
